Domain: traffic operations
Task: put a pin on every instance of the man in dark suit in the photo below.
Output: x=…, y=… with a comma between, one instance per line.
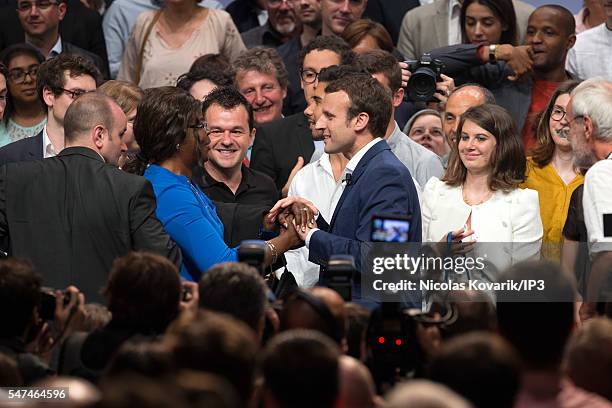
x=279, y=145
x=73, y=214
x=59, y=82
x=356, y=112
x=54, y=28
x=80, y=30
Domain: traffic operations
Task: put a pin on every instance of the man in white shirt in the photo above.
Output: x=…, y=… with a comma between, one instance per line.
x=591, y=56
x=591, y=138
x=59, y=82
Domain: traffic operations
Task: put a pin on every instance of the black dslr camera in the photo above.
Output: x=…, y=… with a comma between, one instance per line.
x=422, y=83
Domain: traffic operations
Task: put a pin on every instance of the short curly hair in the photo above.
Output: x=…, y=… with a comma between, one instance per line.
x=264, y=60
x=51, y=72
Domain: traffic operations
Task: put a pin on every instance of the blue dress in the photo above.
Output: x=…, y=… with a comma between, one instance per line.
x=191, y=220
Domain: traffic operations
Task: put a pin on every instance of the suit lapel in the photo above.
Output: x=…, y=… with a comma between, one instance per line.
x=359, y=170
x=35, y=150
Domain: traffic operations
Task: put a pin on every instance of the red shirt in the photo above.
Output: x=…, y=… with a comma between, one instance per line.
x=540, y=95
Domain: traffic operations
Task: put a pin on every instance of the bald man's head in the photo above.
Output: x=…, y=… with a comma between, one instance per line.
x=97, y=122
x=463, y=98
x=357, y=387
x=86, y=112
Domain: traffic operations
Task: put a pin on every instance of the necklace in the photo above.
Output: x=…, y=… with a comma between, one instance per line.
x=487, y=196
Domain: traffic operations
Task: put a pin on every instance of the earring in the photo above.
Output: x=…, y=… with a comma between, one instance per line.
x=178, y=146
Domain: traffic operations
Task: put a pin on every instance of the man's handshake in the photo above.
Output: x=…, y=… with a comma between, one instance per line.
x=301, y=212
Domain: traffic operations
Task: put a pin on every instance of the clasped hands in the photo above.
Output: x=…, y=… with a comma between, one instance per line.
x=295, y=213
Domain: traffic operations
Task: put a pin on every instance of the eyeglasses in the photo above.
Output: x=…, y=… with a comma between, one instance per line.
x=41, y=5
x=3, y=98
x=18, y=75
x=309, y=76
x=75, y=93
x=579, y=117
x=557, y=114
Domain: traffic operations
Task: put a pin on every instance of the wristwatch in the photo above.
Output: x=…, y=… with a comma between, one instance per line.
x=492, y=50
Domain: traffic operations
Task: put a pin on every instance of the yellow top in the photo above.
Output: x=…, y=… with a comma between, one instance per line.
x=554, y=197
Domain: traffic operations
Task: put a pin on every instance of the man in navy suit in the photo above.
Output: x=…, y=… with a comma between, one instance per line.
x=354, y=121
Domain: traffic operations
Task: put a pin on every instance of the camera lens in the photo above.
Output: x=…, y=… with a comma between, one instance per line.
x=422, y=85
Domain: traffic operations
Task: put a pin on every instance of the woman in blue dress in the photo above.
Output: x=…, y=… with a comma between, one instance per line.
x=171, y=133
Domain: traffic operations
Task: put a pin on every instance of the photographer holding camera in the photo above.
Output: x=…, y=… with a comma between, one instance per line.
x=26, y=334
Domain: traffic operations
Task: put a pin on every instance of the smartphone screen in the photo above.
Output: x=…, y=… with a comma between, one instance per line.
x=390, y=229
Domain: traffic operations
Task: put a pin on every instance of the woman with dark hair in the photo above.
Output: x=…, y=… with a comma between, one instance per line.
x=170, y=131
x=486, y=22
x=479, y=197
x=550, y=169
x=364, y=34
x=24, y=114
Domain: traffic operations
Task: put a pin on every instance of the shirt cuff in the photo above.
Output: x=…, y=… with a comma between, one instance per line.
x=308, y=236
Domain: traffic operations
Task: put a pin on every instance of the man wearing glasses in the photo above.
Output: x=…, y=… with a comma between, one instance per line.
x=40, y=20
x=59, y=82
x=79, y=26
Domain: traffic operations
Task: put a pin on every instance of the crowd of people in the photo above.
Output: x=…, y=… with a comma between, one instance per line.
x=188, y=195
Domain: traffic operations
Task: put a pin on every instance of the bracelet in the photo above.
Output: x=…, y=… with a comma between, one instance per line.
x=492, y=52
x=273, y=251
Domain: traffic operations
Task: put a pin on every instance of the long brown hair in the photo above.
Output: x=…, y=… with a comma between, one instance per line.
x=542, y=153
x=508, y=159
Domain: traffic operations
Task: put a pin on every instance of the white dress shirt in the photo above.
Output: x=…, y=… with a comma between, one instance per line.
x=597, y=201
x=48, y=148
x=314, y=182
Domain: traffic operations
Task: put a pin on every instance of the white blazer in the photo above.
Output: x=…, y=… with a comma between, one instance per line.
x=507, y=218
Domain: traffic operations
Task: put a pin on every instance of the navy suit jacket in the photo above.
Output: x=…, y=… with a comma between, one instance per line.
x=28, y=149
x=380, y=185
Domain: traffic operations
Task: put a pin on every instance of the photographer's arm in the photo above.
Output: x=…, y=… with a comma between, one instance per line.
x=470, y=63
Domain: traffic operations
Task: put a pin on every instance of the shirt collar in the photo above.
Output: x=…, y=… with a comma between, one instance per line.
x=48, y=148
x=352, y=164
x=57, y=48
x=325, y=163
x=395, y=136
x=452, y=4
x=209, y=181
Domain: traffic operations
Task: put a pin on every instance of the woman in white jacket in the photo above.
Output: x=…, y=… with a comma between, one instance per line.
x=478, y=199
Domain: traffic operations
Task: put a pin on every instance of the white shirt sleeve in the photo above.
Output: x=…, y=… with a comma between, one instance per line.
x=597, y=201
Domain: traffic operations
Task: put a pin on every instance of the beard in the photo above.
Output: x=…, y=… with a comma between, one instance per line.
x=583, y=156
x=285, y=28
